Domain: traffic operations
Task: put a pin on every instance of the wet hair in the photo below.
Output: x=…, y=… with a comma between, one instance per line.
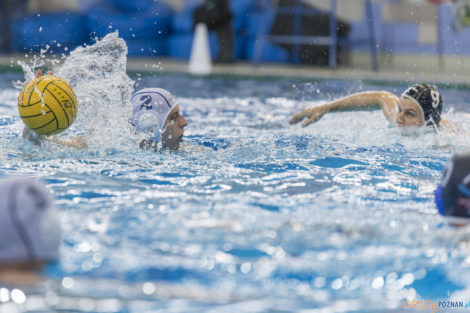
x=429, y=100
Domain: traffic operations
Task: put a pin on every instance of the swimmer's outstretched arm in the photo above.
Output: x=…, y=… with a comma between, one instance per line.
x=76, y=142
x=369, y=99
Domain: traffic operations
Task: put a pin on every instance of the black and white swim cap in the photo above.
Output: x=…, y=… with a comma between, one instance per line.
x=429, y=101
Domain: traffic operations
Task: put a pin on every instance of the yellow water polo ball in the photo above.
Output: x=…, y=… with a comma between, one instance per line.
x=47, y=105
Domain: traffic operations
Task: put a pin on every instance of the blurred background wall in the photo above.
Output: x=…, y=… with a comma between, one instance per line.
x=164, y=28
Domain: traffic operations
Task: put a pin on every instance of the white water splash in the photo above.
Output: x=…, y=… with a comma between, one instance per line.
x=97, y=73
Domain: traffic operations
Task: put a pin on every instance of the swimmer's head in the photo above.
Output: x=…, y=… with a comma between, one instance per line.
x=420, y=105
x=156, y=113
x=452, y=195
x=29, y=228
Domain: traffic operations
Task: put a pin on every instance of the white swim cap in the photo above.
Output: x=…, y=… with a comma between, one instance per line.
x=29, y=228
x=150, y=109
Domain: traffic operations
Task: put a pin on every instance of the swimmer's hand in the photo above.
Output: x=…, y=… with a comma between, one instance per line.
x=31, y=136
x=311, y=114
x=39, y=73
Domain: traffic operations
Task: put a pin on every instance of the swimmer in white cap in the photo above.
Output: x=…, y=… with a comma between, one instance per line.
x=156, y=113
x=29, y=230
x=419, y=105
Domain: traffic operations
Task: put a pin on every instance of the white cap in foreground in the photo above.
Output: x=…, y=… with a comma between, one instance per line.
x=29, y=227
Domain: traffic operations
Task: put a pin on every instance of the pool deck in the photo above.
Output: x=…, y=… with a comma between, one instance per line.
x=450, y=71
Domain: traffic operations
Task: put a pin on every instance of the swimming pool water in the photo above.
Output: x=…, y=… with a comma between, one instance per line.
x=252, y=215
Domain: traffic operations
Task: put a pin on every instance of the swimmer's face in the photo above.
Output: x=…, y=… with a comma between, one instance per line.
x=409, y=113
x=174, y=129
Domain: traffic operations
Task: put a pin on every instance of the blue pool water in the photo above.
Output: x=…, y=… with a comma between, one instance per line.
x=252, y=215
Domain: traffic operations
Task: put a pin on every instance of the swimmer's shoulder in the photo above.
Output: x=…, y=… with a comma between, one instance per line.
x=450, y=126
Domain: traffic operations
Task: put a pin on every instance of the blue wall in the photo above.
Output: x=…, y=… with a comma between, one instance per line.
x=153, y=29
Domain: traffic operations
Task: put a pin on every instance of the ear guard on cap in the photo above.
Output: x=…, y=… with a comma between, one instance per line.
x=148, y=123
